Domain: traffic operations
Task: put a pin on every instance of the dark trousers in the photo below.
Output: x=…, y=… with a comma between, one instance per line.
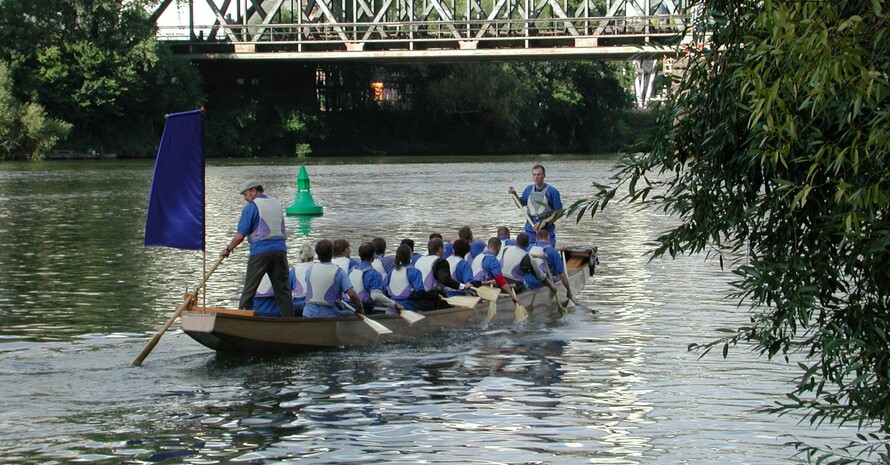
x=275, y=264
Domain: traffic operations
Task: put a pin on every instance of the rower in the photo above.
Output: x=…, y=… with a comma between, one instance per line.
x=404, y=281
x=551, y=260
x=436, y=275
x=476, y=247
x=460, y=268
x=410, y=243
x=342, y=252
x=382, y=263
x=518, y=265
x=326, y=282
x=368, y=282
x=504, y=236
x=486, y=267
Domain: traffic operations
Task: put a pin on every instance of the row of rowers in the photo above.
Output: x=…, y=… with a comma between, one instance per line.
x=328, y=276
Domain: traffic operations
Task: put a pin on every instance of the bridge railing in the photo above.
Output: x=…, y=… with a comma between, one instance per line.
x=663, y=29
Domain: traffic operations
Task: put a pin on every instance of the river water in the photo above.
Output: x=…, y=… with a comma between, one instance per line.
x=609, y=383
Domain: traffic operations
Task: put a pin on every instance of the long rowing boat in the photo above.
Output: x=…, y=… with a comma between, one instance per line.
x=225, y=330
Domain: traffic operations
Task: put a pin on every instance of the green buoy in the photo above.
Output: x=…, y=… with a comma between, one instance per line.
x=303, y=204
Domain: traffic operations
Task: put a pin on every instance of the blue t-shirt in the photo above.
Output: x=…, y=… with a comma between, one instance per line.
x=449, y=249
x=249, y=221
x=490, y=263
x=552, y=199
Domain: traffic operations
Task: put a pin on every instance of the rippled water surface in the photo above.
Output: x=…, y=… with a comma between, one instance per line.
x=610, y=383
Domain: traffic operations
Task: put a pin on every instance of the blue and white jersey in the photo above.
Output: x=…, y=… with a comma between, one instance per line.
x=460, y=269
x=364, y=279
x=511, y=262
x=326, y=282
x=553, y=260
x=486, y=266
x=262, y=222
x=425, y=266
x=505, y=242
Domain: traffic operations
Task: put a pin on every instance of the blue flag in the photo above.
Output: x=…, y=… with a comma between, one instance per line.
x=176, y=203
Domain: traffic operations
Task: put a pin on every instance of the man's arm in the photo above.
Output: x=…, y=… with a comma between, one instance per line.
x=442, y=273
x=238, y=238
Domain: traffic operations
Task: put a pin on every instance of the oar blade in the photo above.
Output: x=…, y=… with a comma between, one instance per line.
x=492, y=312
x=462, y=300
x=487, y=293
x=377, y=327
x=520, y=314
x=411, y=317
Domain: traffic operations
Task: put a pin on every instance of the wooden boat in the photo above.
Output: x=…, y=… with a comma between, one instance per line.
x=240, y=330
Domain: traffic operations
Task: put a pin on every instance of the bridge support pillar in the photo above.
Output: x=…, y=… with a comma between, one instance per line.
x=644, y=82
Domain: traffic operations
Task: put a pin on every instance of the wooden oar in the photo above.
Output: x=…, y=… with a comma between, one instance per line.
x=520, y=314
x=521, y=208
x=562, y=310
x=461, y=300
x=486, y=292
x=491, y=295
x=411, y=316
x=377, y=327
x=179, y=309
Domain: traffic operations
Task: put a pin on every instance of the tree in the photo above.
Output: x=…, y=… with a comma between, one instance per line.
x=773, y=152
x=26, y=132
x=95, y=63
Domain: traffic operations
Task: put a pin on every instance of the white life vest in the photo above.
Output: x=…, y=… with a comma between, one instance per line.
x=342, y=262
x=271, y=220
x=399, y=287
x=425, y=266
x=321, y=280
x=357, y=278
x=378, y=265
x=541, y=263
x=453, y=261
x=538, y=205
x=480, y=274
x=300, y=285
x=511, y=261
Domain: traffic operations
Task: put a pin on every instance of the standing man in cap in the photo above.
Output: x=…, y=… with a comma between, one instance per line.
x=262, y=223
x=543, y=204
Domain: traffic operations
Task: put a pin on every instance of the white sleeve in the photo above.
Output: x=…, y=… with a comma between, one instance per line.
x=380, y=298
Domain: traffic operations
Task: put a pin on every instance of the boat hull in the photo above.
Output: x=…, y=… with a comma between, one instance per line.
x=239, y=331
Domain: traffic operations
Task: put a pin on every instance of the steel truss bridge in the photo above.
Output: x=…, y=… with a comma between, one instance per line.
x=429, y=30
x=383, y=31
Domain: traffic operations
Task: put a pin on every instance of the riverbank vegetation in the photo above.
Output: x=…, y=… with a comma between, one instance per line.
x=89, y=76
x=775, y=154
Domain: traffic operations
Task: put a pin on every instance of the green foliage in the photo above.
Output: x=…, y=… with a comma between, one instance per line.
x=26, y=132
x=773, y=151
x=96, y=64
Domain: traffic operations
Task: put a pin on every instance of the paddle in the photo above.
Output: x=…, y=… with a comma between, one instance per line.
x=562, y=310
x=410, y=316
x=461, y=300
x=491, y=295
x=520, y=314
x=377, y=327
x=525, y=213
x=179, y=309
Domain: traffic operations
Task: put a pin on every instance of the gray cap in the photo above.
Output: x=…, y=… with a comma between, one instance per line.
x=249, y=184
